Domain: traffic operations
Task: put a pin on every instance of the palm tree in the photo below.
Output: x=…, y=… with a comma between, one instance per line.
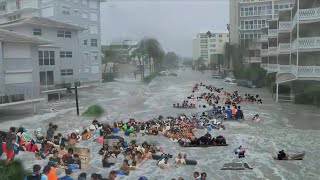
x=109, y=56
x=139, y=53
x=153, y=50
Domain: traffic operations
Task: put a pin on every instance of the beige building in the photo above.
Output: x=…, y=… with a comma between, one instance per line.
x=209, y=45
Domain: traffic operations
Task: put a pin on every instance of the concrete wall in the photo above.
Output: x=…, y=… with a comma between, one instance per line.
x=234, y=21
x=1, y=71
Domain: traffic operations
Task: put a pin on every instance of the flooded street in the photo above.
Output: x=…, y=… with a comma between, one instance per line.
x=284, y=126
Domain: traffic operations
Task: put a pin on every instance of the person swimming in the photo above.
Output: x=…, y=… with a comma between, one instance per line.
x=281, y=155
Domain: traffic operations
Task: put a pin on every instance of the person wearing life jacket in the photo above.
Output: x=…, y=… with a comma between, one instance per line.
x=125, y=127
x=31, y=146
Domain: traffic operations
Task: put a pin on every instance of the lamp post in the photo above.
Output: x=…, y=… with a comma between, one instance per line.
x=76, y=84
x=229, y=49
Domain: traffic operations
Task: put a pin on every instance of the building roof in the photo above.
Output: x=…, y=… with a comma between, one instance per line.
x=9, y=36
x=40, y=21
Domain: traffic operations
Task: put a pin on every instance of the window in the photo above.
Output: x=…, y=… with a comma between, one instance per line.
x=46, y=78
x=47, y=12
x=94, y=42
x=212, y=45
x=14, y=17
x=37, y=32
x=3, y=6
x=85, y=15
x=94, y=57
x=46, y=58
x=93, y=16
x=93, y=4
x=76, y=12
x=212, y=40
x=220, y=35
x=65, y=10
x=66, y=34
x=65, y=54
x=66, y=72
x=85, y=42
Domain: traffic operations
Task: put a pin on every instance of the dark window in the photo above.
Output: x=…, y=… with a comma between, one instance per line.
x=37, y=32
x=46, y=58
x=94, y=42
x=60, y=34
x=85, y=42
x=42, y=78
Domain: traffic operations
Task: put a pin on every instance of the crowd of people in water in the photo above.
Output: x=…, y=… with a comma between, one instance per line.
x=59, y=149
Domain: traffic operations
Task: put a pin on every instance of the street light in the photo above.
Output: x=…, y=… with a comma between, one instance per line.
x=229, y=47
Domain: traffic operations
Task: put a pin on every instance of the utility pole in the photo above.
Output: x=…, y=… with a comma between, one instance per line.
x=76, y=84
x=229, y=47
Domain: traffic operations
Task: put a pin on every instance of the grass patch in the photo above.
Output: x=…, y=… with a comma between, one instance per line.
x=309, y=96
x=14, y=171
x=94, y=111
x=150, y=77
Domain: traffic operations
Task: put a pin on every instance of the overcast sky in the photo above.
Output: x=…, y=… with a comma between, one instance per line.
x=173, y=22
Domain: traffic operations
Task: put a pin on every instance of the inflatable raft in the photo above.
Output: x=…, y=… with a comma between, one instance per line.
x=236, y=166
x=203, y=146
x=296, y=156
x=188, y=161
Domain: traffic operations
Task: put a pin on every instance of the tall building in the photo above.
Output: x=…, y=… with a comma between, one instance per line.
x=209, y=45
x=73, y=27
x=248, y=19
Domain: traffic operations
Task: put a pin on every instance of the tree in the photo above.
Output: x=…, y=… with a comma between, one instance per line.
x=170, y=60
x=109, y=56
x=153, y=51
x=139, y=52
x=199, y=64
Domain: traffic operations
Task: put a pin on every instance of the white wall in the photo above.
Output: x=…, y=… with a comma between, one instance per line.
x=18, y=78
x=14, y=50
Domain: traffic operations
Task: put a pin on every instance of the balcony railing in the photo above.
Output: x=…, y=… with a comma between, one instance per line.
x=284, y=47
x=284, y=26
x=273, y=67
x=264, y=66
x=264, y=52
x=285, y=68
x=309, y=14
x=16, y=5
x=272, y=50
x=309, y=71
x=249, y=60
x=306, y=43
x=272, y=32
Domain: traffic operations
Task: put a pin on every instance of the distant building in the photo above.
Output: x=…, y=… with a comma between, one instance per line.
x=208, y=45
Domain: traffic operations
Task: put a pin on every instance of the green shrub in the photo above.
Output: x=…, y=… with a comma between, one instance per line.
x=13, y=171
x=108, y=77
x=93, y=111
x=309, y=96
x=283, y=89
x=150, y=77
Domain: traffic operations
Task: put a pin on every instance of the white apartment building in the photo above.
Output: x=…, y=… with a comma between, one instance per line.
x=73, y=27
x=248, y=19
x=209, y=45
x=293, y=44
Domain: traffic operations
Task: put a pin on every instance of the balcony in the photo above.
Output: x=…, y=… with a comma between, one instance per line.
x=263, y=38
x=285, y=68
x=273, y=51
x=28, y=4
x=309, y=14
x=306, y=43
x=285, y=26
x=264, y=66
x=264, y=52
x=284, y=48
x=308, y=71
x=273, y=67
x=272, y=32
x=249, y=60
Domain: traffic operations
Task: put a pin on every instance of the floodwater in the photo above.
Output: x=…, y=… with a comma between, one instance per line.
x=284, y=126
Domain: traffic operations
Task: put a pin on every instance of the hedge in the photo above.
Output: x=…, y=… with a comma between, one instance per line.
x=108, y=77
x=93, y=111
x=13, y=171
x=309, y=96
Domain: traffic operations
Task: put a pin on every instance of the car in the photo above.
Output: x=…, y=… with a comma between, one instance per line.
x=230, y=81
x=172, y=74
x=163, y=73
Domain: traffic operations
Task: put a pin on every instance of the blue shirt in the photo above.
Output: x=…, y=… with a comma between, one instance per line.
x=229, y=112
x=65, y=178
x=43, y=177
